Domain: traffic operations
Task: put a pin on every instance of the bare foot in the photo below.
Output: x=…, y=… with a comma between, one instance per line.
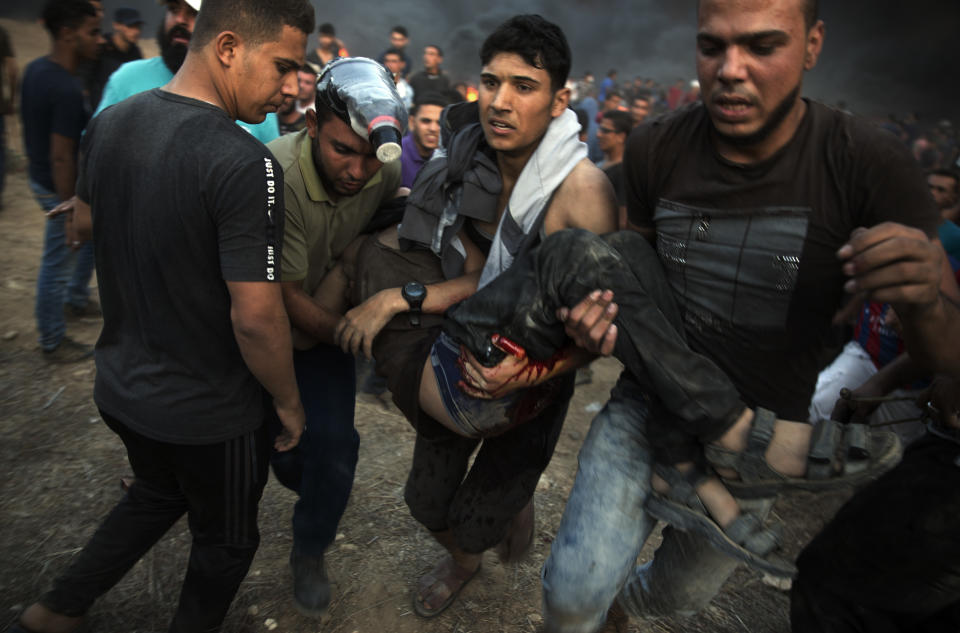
x=718, y=501
x=787, y=453
x=39, y=619
x=438, y=588
x=519, y=538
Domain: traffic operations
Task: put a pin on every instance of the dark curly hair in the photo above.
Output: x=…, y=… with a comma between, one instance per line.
x=540, y=43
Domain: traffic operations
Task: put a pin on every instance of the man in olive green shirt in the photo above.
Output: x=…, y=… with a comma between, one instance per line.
x=333, y=185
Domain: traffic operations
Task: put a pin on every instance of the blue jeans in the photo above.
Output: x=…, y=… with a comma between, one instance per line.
x=64, y=275
x=320, y=469
x=473, y=417
x=593, y=557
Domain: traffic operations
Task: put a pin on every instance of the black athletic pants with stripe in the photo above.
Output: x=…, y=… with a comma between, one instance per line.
x=217, y=485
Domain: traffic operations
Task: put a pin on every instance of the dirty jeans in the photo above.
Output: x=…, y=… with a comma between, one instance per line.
x=64, y=274
x=593, y=557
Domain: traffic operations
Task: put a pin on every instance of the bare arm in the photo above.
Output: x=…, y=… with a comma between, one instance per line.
x=897, y=264
x=10, y=73
x=360, y=326
x=585, y=200
x=80, y=228
x=307, y=314
x=589, y=323
x=63, y=163
x=263, y=334
x=900, y=371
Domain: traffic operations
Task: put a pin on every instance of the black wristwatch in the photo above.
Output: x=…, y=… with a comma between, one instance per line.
x=414, y=293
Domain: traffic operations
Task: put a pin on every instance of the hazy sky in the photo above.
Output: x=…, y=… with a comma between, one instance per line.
x=880, y=55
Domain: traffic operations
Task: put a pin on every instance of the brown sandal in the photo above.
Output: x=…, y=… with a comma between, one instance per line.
x=446, y=575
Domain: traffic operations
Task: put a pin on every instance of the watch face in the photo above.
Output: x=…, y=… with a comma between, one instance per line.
x=414, y=290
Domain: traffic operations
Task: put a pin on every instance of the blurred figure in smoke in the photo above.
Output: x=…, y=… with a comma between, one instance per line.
x=307, y=84
x=431, y=78
x=329, y=47
x=290, y=119
x=640, y=107
x=609, y=83
x=945, y=188
x=398, y=43
x=394, y=62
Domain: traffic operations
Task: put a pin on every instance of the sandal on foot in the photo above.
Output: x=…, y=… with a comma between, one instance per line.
x=451, y=577
x=746, y=538
x=861, y=454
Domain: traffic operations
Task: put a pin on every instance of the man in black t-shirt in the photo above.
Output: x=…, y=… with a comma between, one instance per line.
x=612, y=133
x=54, y=115
x=431, y=78
x=188, y=241
x=752, y=198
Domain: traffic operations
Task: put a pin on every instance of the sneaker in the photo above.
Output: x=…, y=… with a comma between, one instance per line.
x=311, y=587
x=91, y=309
x=68, y=351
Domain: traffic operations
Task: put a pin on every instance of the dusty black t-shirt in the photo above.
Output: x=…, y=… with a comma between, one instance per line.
x=50, y=103
x=183, y=200
x=615, y=175
x=750, y=250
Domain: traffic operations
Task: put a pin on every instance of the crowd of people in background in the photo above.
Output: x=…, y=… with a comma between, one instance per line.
x=271, y=255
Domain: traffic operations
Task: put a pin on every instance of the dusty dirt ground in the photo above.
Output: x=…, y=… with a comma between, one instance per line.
x=60, y=469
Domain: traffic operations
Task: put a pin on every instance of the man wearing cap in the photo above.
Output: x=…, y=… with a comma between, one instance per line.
x=147, y=74
x=120, y=48
x=333, y=184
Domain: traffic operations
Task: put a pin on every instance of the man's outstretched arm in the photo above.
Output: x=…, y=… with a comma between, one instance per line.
x=263, y=334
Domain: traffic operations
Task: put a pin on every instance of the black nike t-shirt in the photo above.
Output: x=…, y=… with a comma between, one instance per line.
x=183, y=201
x=750, y=250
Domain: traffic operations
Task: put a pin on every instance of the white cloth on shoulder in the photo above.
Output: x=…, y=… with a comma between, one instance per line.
x=557, y=154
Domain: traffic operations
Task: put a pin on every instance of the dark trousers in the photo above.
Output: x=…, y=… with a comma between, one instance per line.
x=477, y=506
x=692, y=400
x=321, y=468
x=217, y=485
x=889, y=561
